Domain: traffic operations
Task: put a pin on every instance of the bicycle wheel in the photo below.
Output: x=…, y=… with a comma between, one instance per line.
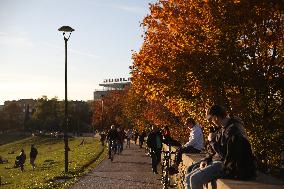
x=166, y=178
x=163, y=167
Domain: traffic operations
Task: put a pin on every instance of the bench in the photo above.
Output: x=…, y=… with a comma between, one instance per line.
x=262, y=181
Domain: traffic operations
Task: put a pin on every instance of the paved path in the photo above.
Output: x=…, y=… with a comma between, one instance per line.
x=129, y=170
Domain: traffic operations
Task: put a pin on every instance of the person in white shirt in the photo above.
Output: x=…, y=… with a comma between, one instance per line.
x=194, y=145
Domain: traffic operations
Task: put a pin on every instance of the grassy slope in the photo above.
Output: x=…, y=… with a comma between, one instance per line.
x=50, y=162
x=10, y=137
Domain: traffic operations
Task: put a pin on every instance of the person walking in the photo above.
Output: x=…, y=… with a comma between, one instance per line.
x=129, y=135
x=33, y=155
x=141, y=138
x=135, y=136
x=120, y=139
x=154, y=143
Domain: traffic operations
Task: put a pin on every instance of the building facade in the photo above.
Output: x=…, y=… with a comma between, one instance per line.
x=24, y=104
x=116, y=84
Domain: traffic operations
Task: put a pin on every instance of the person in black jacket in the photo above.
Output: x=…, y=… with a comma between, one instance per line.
x=20, y=160
x=154, y=142
x=142, y=136
x=33, y=155
x=230, y=142
x=112, y=137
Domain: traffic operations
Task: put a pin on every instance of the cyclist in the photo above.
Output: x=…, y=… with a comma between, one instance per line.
x=112, y=137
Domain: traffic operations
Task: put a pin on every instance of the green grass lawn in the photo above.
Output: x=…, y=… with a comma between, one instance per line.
x=49, y=172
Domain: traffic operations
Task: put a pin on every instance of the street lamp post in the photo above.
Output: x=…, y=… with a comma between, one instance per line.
x=66, y=29
x=102, y=113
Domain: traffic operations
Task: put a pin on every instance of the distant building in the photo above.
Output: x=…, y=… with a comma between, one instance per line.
x=1, y=107
x=116, y=84
x=24, y=104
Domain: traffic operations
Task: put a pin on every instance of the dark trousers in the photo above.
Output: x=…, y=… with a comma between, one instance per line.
x=141, y=142
x=156, y=158
x=182, y=150
x=111, y=144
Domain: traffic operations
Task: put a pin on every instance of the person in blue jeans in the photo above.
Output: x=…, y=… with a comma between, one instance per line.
x=202, y=174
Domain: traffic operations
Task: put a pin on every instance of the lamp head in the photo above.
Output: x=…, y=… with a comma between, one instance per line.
x=66, y=29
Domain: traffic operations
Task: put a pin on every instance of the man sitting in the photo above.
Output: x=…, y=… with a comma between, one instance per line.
x=194, y=145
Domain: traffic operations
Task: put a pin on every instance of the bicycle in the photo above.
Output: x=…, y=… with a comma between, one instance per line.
x=166, y=163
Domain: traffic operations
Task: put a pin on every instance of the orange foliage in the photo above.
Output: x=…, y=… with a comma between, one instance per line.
x=196, y=53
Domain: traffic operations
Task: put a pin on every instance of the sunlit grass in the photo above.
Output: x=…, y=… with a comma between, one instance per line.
x=49, y=172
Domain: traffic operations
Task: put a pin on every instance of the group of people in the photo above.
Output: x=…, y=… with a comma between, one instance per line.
x=21, y=159
x=229, y=153
x=116, y=136
x=156, y=138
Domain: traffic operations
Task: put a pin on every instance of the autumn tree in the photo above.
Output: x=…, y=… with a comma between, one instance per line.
x=109, y=110
x=143, y=113
x=196, y=53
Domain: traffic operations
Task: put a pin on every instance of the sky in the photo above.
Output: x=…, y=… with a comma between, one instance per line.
x=32, y=48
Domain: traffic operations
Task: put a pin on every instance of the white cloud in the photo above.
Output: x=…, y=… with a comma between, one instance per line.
x=17, y=77
x=15, y=40
x=74, y=51
x=132, y=9
x=3, y=34
x=84, y=53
